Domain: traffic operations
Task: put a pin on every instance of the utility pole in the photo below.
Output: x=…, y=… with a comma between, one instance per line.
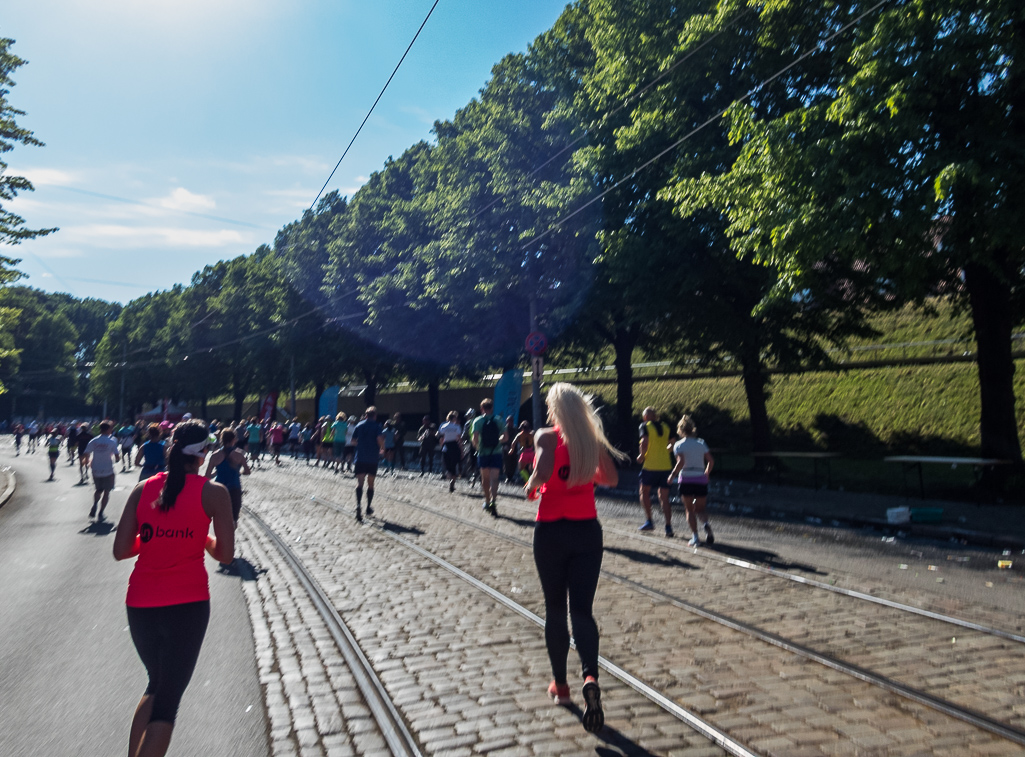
x=124, y=369
x=535, y=379
x=291, y=370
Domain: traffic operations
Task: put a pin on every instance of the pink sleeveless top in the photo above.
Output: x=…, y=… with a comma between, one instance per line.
x=559, y=502
x=170, y=569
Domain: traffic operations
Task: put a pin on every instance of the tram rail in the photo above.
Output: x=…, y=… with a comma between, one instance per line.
x=400, y=741
x=946, y=707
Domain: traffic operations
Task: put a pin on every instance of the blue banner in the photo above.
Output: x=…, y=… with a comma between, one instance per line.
x=328, y=402
x=508, y=392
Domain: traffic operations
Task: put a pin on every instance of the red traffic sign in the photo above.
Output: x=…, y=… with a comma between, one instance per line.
x=536, y=343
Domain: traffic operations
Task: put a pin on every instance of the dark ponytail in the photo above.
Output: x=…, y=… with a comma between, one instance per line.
x=189, y=432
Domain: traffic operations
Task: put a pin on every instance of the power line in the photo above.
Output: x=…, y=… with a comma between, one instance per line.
x=630, y=176
x=379, y=96
x=626, y=101
x=819, y=46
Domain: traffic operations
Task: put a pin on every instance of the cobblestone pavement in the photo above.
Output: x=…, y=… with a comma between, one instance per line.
x=771, y=700
x=467, y=674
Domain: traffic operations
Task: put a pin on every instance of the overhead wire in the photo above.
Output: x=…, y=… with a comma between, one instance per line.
x=379, y=96
x=560, y=221
x=761, y=85
x=626, y=102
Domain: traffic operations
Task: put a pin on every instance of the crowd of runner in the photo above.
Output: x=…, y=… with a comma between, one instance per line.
x=558, y=466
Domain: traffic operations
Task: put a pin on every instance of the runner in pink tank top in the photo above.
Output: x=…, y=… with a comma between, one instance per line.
x=170, y=569
x=571, y=458
x=166, y=523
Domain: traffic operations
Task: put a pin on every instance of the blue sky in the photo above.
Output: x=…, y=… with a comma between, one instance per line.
x=183, y=132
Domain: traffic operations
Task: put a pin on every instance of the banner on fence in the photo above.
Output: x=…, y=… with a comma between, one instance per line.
x=328, y=402
x=508, y=391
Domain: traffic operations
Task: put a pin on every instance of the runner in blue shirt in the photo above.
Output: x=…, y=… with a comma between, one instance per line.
x=368, y=436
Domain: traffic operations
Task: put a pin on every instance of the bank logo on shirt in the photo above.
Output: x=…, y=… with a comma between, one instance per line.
x=146, y=533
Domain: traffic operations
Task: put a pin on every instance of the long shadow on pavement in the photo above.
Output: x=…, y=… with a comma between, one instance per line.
x=98, y=528
x=242, y=568
x=620, y=744
x=521, y=522
x=649, y=559
x=762, y=557
x=397, y=528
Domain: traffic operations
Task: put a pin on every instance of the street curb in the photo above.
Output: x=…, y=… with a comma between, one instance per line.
x=12, y=484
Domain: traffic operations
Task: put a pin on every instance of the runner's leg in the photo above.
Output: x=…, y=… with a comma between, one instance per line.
x=667, y=510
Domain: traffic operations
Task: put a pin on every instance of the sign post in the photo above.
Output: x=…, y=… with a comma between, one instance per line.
x=536, y=345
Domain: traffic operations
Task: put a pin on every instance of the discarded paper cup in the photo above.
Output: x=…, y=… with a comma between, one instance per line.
x=1004, y=564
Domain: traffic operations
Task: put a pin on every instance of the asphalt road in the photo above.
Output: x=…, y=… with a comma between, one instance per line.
x=69, y=674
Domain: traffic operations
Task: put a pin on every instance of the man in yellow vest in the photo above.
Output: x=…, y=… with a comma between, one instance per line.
x=656, y=462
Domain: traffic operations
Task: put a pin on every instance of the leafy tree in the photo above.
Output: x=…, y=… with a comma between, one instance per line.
x=12, y=227
x=135, y=348
x=46, y=342
x=717, y=302
x=899, y=158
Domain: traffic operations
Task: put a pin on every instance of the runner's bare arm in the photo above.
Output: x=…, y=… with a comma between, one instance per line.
x=213, y=462
x=608, y=474
x=217, y=504
x=126, y=538
x=544, y=460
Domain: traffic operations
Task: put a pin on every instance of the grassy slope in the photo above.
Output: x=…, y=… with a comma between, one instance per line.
x=931, y=409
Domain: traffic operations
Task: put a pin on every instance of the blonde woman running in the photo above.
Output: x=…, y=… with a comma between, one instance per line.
x=570, y=459
x=693, y=464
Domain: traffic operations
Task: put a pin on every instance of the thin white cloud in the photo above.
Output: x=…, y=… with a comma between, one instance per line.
x=270, y=165
x=51, y=252
x=422, y=115
x=112, y=235
x=47, y=177
x=182, y=199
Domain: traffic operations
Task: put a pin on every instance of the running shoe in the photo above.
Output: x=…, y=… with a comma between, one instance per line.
x=593, y=718
x=559, y=693
x=693, y=541
x=669, y=532
x=493, y=509
x=647, y=526
x=452, y=486
x=709, y=536
x=92, y=512
x=370, y=511
x=359, y=516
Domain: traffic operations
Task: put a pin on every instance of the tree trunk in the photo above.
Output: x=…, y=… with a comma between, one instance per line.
x=755, y=381
x=624, y=342
x=434, y=400
x=990, y=298
x=370, y=393
x=318, y=391
x=240, y=398
x=203, y=408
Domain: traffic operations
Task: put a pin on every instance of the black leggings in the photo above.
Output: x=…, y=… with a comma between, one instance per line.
x=168, y=640
x=452, y=453
x=568, y=556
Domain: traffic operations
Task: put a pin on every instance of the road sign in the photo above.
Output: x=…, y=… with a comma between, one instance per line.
x=538, y=364
x=536, y=343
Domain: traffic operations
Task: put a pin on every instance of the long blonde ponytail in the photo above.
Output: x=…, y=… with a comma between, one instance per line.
x=581, y=430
